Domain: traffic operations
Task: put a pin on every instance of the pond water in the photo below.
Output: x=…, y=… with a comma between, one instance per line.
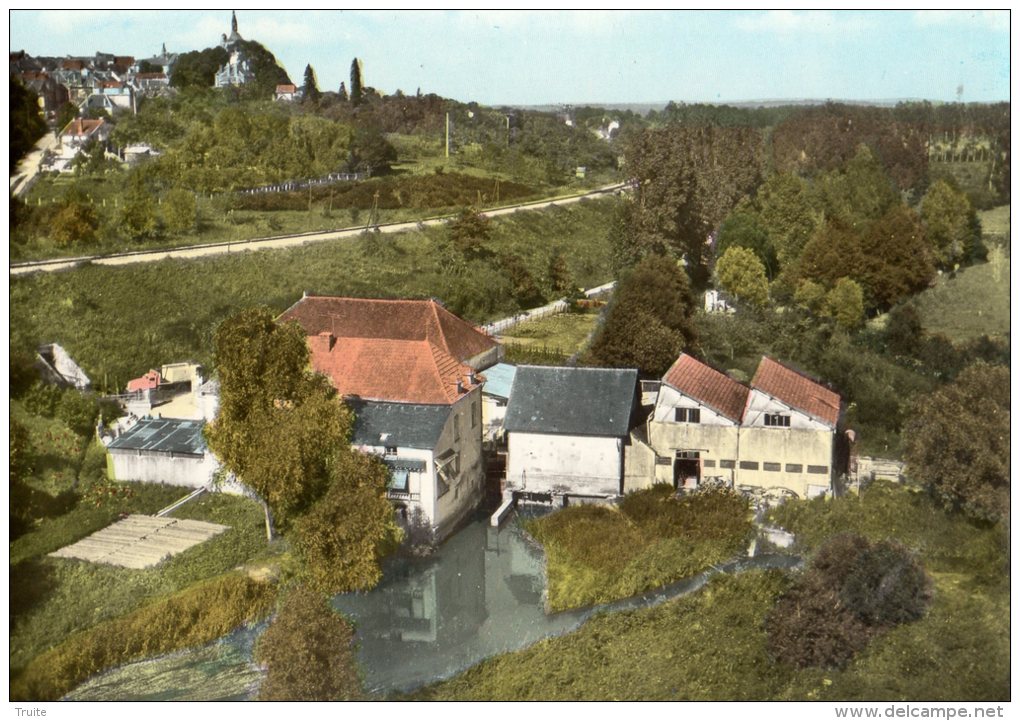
x=480, y=595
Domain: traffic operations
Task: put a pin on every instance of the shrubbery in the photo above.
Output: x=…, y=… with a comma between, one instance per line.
x=852, y=591
x=191, y=617
x=308, y=651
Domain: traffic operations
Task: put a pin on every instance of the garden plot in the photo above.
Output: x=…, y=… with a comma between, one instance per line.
x=140, y=541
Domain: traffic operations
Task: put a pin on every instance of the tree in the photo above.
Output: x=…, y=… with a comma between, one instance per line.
x=560, y=278
x=742, y=274
x=342, y=93
x=896, y=259
x=650, y=320
x=75, y=223
x=688, y=180
x=356, y=88
x=957, y=442
x=308, y=652
x=859, y=193
x=269, y=400
x=951, y=225
x=138, y=219
x=311, y=90
x=469, y=231
x=198, y=68
x=886, y=585
x=349, y=529
x=523, y=287
x=180, y=211
x=26, y=125
x=743, y=228
x=371, y=151
x=789, y=213
x=845, y=304
x=810, y=295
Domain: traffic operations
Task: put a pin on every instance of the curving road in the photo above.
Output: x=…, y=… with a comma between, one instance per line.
x=284, y=241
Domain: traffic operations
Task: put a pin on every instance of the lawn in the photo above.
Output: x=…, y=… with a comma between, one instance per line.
x=597, y=554
x=710, y=645
x=564, y=334
x=971, y=303
x=118, y=322
x=51, y=598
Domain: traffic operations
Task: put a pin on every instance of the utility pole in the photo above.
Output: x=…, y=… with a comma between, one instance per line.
x=447, y=134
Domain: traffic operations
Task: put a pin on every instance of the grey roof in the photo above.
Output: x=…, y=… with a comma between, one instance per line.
x=407, y=425
x=162, y=435
x=571, y=401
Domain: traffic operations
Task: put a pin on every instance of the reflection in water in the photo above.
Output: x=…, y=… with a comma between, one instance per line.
x=480, y=595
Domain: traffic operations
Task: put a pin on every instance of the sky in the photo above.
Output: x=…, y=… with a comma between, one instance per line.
x=525, y=57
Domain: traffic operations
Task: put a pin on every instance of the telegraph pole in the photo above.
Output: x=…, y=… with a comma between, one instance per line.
x=447, y=134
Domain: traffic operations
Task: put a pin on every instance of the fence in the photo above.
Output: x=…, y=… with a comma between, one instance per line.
x=554, y=308
x=302, y=184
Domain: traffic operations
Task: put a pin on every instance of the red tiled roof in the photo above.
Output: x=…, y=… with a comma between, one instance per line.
x=707, y=385
x=394, y=319
x=82, y=126
x=796, y=390
x=72, y=65
x=410, y=351
x=147, y=382
x=150, y=76
x=286, y=88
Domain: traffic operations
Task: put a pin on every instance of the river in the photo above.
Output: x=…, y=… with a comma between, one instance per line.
x=428, y=619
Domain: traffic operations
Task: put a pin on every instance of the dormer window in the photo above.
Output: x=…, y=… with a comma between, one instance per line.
x=688, y=415
x=777, y=420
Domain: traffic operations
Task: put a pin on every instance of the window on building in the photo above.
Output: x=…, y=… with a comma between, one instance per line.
x=727, y=464
x=749, y=465
x=688, y=455
x=456, y=429
x=820, y=470
x=708, y=464
x=688, y=415
x=794, y=468
x=398, y=480
x=475, y=413
x=778, y=420
x=663, y=461
x=766, y=466
x=390, y=451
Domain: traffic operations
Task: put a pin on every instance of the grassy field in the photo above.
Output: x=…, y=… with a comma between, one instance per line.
x=711, y=645
x=564, y=333
x=596, y=554
x=972, y=303
x=118, y=322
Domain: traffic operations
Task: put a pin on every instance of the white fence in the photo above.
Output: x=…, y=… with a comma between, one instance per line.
x=554, y=308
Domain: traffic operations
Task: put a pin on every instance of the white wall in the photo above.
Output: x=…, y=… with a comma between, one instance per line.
x=582, y=465
x=467, y=488
x=158, y=468
x=760, y=403
x=670, y=398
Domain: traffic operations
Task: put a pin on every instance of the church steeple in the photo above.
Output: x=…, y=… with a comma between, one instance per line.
x=233, y=22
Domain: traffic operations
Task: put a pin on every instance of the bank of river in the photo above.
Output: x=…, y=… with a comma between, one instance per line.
x=480, y=595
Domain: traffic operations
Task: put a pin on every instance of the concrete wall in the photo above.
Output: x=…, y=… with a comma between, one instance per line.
x=493, y=414
x=178, y=470
x=468, y=486
x=788, y=448
x=759, y=404
x=638, y=465
x=582, y=465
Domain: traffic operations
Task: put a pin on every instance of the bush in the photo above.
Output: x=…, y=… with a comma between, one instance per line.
x=852, y=591
x=809, y=628
x=886, y=586
x=308, y=651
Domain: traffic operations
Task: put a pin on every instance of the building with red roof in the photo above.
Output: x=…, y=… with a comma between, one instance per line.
x=406, y=365
x=779, y=433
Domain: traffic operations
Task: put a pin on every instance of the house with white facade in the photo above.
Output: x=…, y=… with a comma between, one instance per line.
x=566, y=432
x=410, y=370
x=777, y=434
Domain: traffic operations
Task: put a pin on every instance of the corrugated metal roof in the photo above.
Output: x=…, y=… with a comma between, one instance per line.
x=405, y=425
x=163, y=435
x=571, y=401
x=499, y=379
